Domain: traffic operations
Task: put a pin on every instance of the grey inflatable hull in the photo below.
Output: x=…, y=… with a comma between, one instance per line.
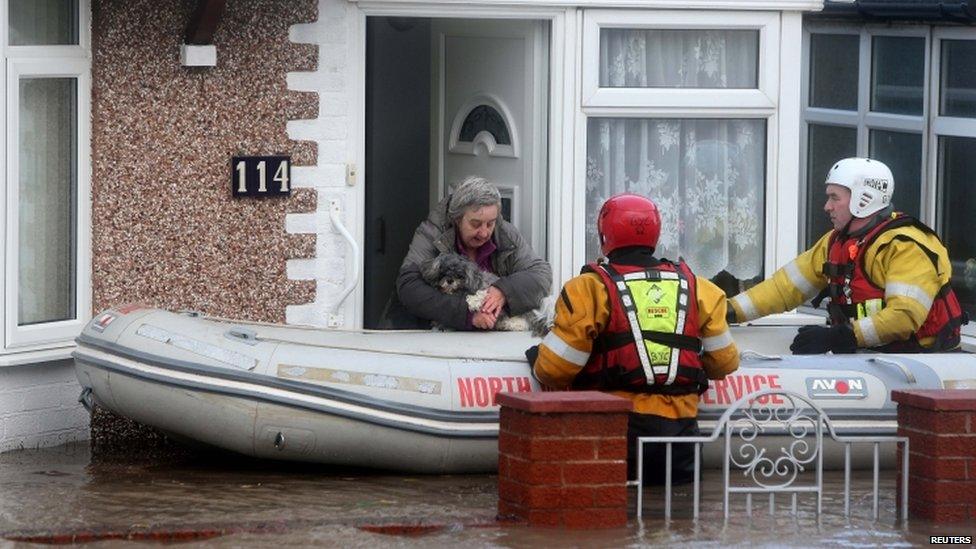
x=410, y=401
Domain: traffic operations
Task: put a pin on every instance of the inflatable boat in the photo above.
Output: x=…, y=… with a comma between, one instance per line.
x=410, y=400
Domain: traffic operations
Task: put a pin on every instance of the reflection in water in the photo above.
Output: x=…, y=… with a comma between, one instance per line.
x=228, y=501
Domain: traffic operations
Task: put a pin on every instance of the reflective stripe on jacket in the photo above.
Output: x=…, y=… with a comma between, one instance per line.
x=858, y=298
x=897, y=261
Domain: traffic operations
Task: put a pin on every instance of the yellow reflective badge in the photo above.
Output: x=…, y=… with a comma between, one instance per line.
x=869, y=308
x=656, y=304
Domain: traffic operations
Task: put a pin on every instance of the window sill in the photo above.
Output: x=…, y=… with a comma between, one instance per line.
x=36, y=357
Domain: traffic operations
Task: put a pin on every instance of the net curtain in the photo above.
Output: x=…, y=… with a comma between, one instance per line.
x=706, y=175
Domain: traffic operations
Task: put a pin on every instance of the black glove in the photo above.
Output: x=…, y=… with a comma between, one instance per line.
x=730, y=317
x=812, y=340
x=531, y=354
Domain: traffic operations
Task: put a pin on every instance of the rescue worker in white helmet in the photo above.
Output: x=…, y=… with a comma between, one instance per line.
x=642, y=328
x=886, y=274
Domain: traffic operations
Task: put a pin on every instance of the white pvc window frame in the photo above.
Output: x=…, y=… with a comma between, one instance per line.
x=864, y=119
x=764, y=96
x=775, y=101
x=944, y=126
x=62, y=61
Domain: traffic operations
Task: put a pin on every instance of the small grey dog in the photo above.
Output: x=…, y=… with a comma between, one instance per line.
x=456, y=274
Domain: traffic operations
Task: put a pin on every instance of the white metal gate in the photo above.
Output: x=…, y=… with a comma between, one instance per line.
x=766, y=472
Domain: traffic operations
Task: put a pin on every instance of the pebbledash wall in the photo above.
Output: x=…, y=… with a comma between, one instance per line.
x=165, y=229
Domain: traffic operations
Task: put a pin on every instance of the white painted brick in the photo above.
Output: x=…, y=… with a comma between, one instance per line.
x=302, y=314
x=331, y=128
x=301, y=269
x=316, y=81
x=41, y=440
x=304, y=33
x=69, y=394
x=333, y=151
x=333, y=58
x=301, y=81
x=333, y=32
x=334, y=104
x=333, y=9
x=306, y=177
x=300, y=223
x=301, y=130
x=11, y=402
x=29, y=375
x=38, y=406
x=43, y=397
x=320, y=176
x=333, y=175
x=330, y=245
x=336, y=71
x=27, y=424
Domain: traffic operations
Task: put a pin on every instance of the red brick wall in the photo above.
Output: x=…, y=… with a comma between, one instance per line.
x=562, y=459
x=941, y=428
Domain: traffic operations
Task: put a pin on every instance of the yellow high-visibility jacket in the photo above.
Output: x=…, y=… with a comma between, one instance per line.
x=567, y=347
x=895, y=261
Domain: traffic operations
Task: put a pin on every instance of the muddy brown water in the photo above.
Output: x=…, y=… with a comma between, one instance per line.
x=60, y=495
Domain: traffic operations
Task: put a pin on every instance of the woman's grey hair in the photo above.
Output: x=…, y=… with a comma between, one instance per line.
x=473, y=192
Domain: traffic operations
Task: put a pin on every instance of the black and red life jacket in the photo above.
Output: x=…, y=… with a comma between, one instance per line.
x=854, y=295
x=668, y=360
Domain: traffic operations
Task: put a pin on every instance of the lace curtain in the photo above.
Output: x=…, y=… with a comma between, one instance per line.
x=672, y=58
x=707, y=176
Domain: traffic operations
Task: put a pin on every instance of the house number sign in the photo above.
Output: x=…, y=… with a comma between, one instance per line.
x=261, y=175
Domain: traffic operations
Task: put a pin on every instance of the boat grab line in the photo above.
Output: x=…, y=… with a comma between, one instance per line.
x=114, y=349
x=279, y=396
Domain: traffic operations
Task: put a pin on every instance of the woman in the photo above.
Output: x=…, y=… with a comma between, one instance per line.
x=468, y=223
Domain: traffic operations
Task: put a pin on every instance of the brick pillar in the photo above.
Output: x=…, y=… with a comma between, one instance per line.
x=941, y=431
x=562, y=459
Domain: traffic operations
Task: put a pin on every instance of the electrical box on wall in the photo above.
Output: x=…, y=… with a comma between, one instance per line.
x=198, y=55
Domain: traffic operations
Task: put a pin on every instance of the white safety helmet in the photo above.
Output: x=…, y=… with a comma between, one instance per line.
x=869, y=181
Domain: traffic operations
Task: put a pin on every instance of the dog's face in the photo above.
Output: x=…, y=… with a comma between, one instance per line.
x=451, y=273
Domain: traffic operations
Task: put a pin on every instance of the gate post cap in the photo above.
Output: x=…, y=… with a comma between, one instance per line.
x=566, y=402
x=937, y=399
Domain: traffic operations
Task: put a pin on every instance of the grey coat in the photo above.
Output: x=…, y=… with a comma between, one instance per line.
x=524, y=277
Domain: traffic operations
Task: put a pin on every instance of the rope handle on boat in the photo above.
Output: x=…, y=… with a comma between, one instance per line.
x=904, y=369
x=748, y=353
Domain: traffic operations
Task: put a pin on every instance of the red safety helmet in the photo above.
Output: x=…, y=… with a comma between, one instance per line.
x=628, y=220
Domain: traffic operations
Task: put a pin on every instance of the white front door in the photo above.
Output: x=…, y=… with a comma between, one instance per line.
x=489, y=104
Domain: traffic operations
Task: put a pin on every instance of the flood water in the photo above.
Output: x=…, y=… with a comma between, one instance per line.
x=59, y=495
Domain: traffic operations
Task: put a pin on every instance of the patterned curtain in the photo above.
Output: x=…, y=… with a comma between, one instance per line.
x=706, y=175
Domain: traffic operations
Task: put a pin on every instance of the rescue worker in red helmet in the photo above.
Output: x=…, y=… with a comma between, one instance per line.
x=886, y=274
x=642, y=328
